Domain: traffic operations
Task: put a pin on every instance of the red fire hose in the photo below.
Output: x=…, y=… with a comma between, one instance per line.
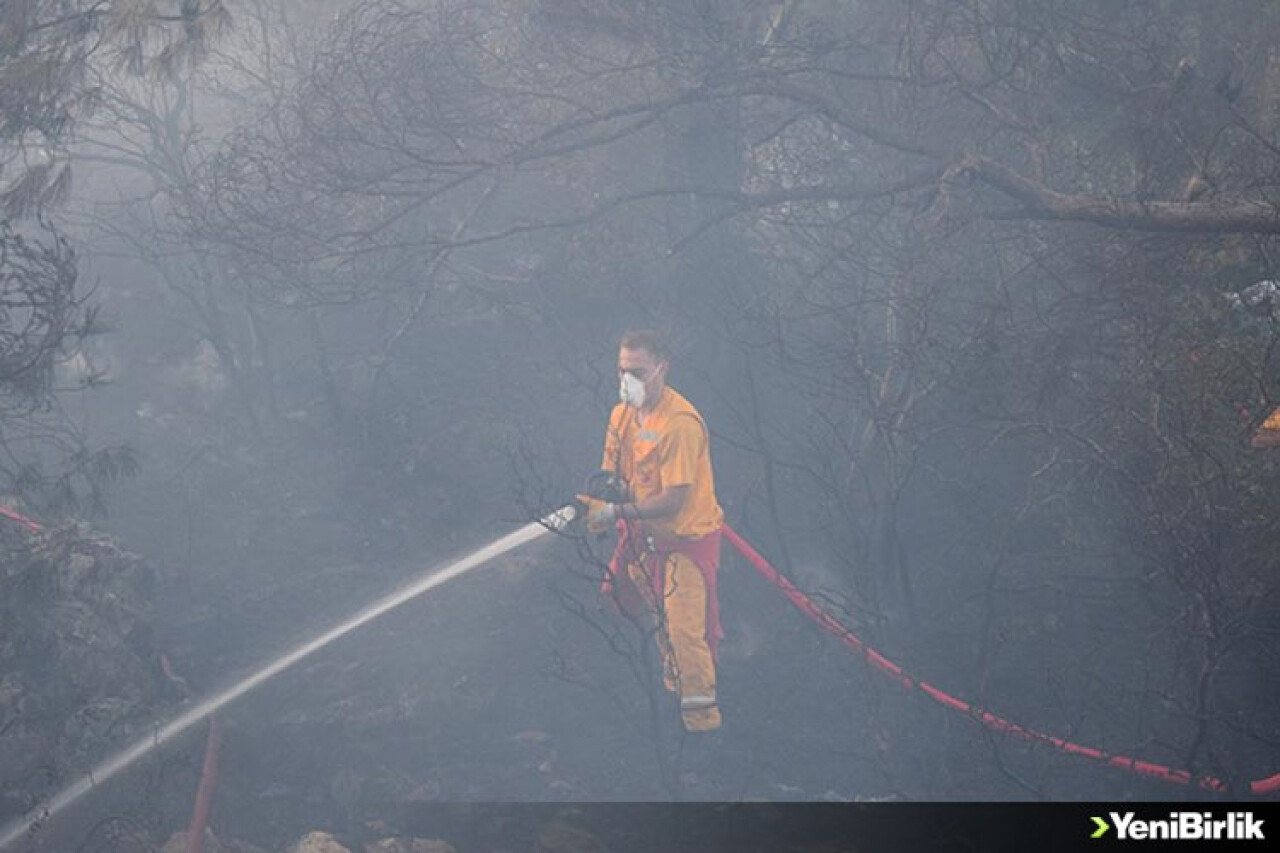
x=204, y=794
x=208, y=771
x=805, y=605
x=14, y=515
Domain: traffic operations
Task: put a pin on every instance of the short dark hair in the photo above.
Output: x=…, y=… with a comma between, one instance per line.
x=654, y=343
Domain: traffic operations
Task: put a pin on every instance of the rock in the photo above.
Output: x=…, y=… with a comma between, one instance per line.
x=409, y=845
x=561, y=837
x=318, y=842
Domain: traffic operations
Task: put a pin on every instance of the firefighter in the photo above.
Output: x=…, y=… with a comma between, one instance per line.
x=664, y=566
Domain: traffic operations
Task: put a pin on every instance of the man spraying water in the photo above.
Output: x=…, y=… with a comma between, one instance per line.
x=668, y=552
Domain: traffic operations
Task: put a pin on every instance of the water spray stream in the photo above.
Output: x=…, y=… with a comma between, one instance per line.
x=124, y=758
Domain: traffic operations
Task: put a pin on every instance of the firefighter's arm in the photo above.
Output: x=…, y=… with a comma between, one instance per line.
x=664, y=504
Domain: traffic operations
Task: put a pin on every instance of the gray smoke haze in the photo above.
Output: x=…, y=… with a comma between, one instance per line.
x=306, y=296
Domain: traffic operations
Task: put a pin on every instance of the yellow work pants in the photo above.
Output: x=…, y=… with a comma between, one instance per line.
x=688, y=669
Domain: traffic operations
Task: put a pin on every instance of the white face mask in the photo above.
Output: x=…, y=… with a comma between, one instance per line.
x=631, y=391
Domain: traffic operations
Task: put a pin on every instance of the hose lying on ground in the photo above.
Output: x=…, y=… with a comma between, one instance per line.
x=1270, y=785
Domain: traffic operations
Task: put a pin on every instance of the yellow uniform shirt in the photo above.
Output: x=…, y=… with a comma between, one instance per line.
x=669, y=446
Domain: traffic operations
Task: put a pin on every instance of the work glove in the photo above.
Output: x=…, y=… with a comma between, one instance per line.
x=599, y=515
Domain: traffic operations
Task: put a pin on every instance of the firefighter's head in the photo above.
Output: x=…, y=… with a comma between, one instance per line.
x=643, y=359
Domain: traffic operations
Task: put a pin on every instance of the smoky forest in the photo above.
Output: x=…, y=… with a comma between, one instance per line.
x=318, y=317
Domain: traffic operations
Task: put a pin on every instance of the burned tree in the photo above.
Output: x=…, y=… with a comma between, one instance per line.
x=52, y=55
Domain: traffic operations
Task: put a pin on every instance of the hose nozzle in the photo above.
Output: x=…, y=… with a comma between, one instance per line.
x=561, y=518
x=609, y=487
